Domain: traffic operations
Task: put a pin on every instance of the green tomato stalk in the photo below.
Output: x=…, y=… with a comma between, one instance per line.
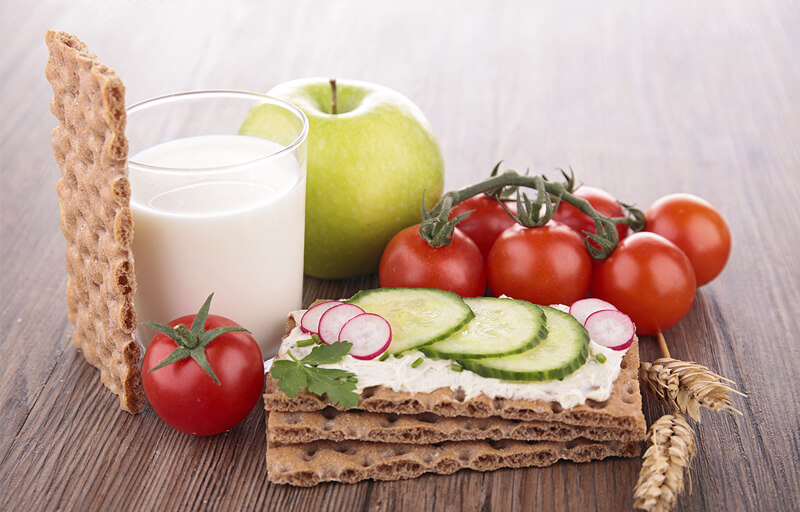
x=193, y=342
x=437, y=228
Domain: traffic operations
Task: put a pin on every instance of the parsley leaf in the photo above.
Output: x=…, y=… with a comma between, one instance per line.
x=327, y=354
x=338, y=385
x=290, y=376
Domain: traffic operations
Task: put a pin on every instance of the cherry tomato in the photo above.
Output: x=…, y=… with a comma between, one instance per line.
x=602, y=201
x=187, y=398
x=486, y=222
x=648, y=278
x=408, y=261
x=544, y=265
x=697, y=228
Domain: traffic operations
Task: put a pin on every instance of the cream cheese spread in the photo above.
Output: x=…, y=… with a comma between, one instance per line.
x=592, y=381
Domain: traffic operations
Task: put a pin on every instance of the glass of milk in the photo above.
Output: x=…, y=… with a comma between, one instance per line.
x=218, y=208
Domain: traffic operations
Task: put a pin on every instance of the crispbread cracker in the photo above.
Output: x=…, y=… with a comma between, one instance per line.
x=622, y=410
x=334, y=425
x=94, y=194
x=351, y=461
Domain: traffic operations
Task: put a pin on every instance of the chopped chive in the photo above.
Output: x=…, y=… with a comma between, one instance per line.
x=384, y=357
x=417, y=362
x=601, y=358
x=305, y=343
x=316, y=339
x=456, y=367
x=398, y=355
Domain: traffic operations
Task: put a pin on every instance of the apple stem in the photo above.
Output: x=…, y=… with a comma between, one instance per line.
x=334, y=110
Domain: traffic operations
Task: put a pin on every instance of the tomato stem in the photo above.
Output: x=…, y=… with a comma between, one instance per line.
x=192, y=342
x=437, y=228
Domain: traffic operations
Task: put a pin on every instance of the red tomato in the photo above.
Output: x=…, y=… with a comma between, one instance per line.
x=544, y=265
x=408, y=261
x=187, y=398
x=697, y=228
x=602, y=201
x=486, y=223
x=648, y=278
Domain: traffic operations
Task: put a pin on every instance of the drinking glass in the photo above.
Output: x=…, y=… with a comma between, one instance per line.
x=218, y=183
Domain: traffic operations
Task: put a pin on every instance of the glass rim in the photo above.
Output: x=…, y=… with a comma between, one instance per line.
x=150, y=102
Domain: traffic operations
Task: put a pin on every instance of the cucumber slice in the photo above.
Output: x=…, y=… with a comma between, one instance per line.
x=563, y=351
x=418, y=316
x=501, y=327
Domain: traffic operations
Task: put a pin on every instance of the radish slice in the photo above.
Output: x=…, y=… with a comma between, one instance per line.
x=369, y=333
x=612, y=329
x=581, y=309
x=309, y=323
x=331, y=321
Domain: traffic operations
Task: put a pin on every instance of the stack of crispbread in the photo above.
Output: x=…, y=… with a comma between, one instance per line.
x=395, y=435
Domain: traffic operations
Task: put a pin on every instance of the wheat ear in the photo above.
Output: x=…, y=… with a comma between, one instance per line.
x=688, y=386
x=671, y=447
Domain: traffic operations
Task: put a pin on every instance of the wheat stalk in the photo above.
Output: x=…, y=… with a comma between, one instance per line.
x=688, y=386
x=671, y=447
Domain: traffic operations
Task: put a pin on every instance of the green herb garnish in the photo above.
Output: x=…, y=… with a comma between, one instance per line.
x=456, y=367
x=338, y=385
x=305, y=343
x=317, y=339
x=601, y=358
x=418, y=361
x=384, y=357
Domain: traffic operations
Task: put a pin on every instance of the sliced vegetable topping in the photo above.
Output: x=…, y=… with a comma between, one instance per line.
x=563, y=351
x=501, y=327
x=418, y=316
x=581, y=309
x=369, y=333
x=332, y=321
x=612, y=329
x=310, y=321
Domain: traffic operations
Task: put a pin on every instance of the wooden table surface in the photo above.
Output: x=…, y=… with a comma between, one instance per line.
x=640, y=99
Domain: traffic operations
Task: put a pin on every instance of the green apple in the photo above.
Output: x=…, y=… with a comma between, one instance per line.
x=368, y=167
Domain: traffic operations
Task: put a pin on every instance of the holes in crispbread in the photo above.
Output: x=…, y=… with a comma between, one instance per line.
x=459, y=395
x=500, y=444
x=428, y=417
x=594, y=404
x=345, y=449
x=369, y=392
x=555, y=407
x=330, y=413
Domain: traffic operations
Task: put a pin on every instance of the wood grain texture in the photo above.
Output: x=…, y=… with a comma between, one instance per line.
x=640, y=99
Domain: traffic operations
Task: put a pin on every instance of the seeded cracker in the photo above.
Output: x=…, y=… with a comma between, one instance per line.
x=94, y=194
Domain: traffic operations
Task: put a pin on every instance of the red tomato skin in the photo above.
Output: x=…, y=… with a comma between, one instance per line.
x=544, y=265
x=409, y=262
x=187, y=398
x=649, y=279
x=695, y=226
x=486, y=222
x=602, y=201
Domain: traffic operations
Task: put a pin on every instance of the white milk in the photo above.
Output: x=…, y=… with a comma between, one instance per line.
x=203, y=226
